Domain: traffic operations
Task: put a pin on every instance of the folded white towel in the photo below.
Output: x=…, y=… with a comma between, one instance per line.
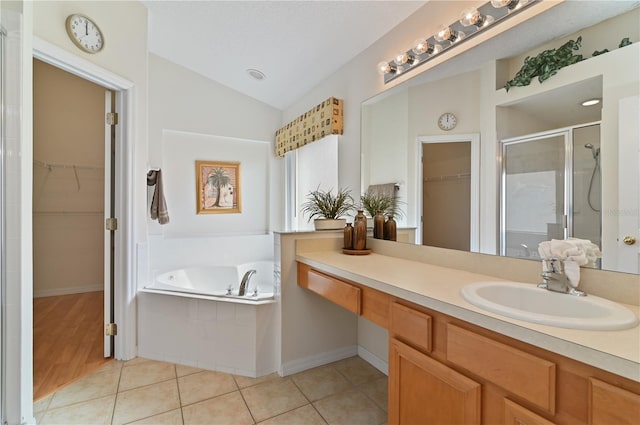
x=591, y=250
x=571, y=253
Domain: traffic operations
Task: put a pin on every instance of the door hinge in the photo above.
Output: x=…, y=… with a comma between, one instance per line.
x=111, y=329
x=112, y=118
x=111, y=224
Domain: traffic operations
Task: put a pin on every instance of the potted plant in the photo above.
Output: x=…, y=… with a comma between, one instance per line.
x=327, y=208
x=374, y=202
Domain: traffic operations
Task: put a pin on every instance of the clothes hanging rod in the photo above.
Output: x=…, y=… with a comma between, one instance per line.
x=449, y=177
x=69, y=166
x=68, y=212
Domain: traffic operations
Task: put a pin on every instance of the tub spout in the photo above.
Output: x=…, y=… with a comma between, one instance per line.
x=245, y=282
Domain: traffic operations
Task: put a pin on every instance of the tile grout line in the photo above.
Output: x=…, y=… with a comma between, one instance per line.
x=115, y=400
x=310, y=402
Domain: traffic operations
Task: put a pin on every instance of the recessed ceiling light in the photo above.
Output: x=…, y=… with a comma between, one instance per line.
x=256, y=74
x=590, y=102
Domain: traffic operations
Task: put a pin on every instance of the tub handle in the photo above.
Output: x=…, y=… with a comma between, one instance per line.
x=229, y=289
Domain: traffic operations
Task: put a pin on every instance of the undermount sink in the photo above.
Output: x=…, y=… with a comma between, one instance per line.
x=532, y=304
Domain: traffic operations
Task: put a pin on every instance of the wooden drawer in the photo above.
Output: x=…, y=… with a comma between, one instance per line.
x=520, y=373
x=411, y=326
x=612, y=405
x=514, y=414
x=376, y=306
x=335, y=290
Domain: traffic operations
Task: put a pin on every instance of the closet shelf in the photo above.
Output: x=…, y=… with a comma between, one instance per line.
x=450, y=177
x=71, y=166
x=68, y=213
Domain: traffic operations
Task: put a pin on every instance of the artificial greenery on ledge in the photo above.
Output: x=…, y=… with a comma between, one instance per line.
x=547, y=63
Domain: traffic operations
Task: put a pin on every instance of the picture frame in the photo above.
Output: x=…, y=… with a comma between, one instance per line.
x=218, y=188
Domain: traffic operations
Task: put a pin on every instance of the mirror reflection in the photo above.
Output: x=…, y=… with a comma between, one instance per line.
x=519, y=167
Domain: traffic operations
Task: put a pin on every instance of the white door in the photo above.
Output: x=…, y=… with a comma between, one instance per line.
x=628, y=185
x=109, y=146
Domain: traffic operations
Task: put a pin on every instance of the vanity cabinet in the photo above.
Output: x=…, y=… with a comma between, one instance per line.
x=445, y=370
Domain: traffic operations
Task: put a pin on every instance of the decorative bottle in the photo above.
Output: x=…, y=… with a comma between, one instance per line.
x=360, y=231
x=348, y=236
x=390, y=229
x=378, y=225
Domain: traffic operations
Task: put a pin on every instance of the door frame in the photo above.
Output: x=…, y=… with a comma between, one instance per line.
x=474, y=140
x=124, y=289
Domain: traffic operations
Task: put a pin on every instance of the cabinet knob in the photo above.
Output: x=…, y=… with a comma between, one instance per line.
x=629, y=240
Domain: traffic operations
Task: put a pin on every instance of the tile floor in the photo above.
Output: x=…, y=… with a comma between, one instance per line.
x=141, y=391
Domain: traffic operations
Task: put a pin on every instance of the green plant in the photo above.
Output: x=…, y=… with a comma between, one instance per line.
x=546, y=64
x=324, y=204
x=374, y=202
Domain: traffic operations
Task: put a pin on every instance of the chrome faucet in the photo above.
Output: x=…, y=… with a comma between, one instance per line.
x=244, y=283
x=555, y=280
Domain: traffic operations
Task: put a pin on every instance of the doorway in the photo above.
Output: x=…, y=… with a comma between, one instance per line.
x=449, y=191
x=72, y=181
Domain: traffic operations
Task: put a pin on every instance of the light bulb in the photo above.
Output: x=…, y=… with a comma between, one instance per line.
x=401, y=58
x=385, y=68
x=448, y=34
x=509, y=4
x=471, y=16
x=422, y=46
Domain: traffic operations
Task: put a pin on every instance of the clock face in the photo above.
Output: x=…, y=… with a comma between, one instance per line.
x=84, y=33
x=447, y=121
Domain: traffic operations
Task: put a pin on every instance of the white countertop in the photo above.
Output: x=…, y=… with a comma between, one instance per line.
x=439, y=288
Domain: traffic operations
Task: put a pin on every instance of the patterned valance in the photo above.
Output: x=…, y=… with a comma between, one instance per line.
x=324, y=119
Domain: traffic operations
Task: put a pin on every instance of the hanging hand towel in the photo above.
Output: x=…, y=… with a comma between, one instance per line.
x=386, y=189
x=158, y=204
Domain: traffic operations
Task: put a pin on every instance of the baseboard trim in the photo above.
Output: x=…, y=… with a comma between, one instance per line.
x=67, y=291
x=373, y=360
x=321, y=359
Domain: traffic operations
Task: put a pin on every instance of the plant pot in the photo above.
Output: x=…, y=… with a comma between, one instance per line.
x=329, y=224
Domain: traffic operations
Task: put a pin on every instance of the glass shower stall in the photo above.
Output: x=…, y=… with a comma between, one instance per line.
x=550, y=189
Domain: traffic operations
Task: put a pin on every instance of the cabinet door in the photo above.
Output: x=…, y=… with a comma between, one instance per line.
x=515, y=414
x=423, y=391
x=612, y=405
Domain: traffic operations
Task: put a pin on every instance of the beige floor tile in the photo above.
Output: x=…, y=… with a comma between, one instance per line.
x=145, y=373
x=305, y=415
x=224, y=410
x=273, y=398
x=96, y=385
x=112, y=365
x=92, y=412
x=182, y=370
x=134, y=362
x=357, y=371
x=42, y=404
x=203, y=385
x=146, y=401
x=321, y=382
x=173, y=417
x=350, y=408
x=244, y=381
x=377, y=391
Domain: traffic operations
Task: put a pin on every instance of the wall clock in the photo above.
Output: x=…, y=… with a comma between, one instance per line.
x=84, y=33
x=447, y=121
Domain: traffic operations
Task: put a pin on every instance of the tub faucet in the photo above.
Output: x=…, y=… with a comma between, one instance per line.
x=244, y=283
x=555, y=280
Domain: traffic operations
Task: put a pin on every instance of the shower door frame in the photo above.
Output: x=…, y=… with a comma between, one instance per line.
x=567, y=132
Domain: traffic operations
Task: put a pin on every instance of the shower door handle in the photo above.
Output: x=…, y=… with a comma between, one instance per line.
x=629, y=240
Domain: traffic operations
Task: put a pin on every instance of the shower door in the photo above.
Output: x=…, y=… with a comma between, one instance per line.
x=535, y=188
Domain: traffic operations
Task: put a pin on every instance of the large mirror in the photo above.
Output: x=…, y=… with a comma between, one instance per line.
x=525, y=165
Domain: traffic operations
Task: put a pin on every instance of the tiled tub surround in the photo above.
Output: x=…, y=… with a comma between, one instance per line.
x=215, y=335
x=439, y=288
x=348, y=392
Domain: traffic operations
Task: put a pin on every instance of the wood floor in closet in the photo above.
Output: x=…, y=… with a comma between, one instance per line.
x=67, y=340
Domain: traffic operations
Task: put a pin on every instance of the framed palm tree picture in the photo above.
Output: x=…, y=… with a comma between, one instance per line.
x=218, y=187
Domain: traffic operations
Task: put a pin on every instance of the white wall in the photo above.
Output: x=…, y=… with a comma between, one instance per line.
x=184, y=101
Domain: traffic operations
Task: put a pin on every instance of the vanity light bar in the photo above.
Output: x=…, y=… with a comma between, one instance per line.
x=472, y=22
